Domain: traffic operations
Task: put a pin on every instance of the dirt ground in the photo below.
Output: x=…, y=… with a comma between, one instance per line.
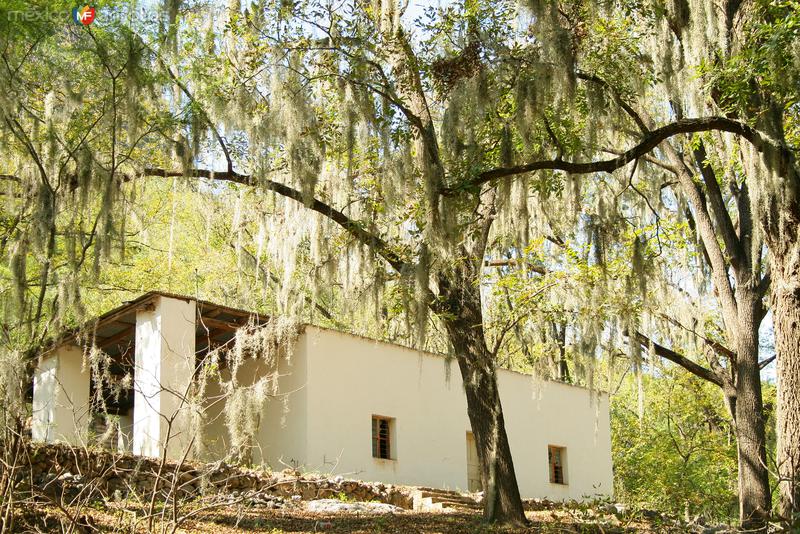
x=408, y=522
x=230, y=520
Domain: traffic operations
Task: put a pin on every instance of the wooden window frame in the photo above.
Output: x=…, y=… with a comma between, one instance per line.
x=557, y=472
x=382, y=445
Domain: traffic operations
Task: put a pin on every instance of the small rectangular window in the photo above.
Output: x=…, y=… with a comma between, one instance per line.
x=381, y=437
x=556, y=457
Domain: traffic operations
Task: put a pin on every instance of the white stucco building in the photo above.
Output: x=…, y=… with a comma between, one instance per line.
x=345, y=404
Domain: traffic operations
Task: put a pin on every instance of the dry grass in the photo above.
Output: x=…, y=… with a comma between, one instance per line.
x=296, y=520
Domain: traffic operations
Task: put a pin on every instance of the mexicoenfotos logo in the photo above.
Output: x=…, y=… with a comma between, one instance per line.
x=83, y=15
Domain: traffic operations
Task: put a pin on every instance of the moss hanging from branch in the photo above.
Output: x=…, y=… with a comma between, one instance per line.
x=245, y=394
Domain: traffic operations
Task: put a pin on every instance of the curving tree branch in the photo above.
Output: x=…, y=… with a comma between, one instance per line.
x=650, y=140
x=353, y=227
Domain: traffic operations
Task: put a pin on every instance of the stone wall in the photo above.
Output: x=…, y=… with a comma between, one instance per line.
x=56, y=468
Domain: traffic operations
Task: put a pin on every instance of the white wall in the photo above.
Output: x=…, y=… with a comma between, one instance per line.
x=214, y=436
x=539, y=413
x=61, y=397
x=280, y=440
x=283, y=433
x=165, y=356
x=352, y=378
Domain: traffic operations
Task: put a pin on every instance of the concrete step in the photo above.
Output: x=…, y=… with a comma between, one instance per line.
x=432, y=499
x=457, y=504
x=448, y=496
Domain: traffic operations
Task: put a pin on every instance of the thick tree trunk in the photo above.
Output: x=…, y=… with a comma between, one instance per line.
x=755, y=500
x=464, y=324
x=502, y=502
x=742, y=312
x=786, y=317
x=780, y=225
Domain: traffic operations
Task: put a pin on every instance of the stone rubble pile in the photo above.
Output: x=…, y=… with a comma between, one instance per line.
x=56, y=468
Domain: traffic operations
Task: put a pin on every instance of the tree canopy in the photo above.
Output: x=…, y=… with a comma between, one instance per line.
x=542, y=185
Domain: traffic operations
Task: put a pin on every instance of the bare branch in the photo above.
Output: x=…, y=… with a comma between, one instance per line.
x=732, y=243
x=711, y=245
x=669, y=354
x=512, y=262
x=715, y=345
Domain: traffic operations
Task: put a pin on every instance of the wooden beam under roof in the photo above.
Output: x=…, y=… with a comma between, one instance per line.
x=130, y=330
x=235, y=312
x=213, y=313
x=217, y=309
x=211, y=334
x=216, y=323
x=115, y=315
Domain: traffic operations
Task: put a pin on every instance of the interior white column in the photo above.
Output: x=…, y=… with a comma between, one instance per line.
x=61, y=397
x=165, y=355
